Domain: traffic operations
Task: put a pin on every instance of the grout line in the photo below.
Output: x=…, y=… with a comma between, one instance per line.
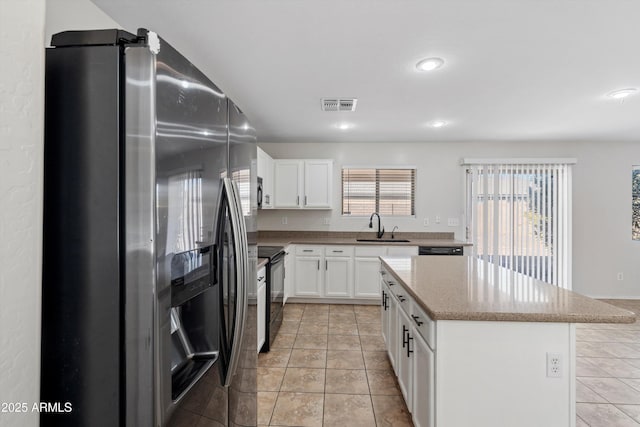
x=364, y=319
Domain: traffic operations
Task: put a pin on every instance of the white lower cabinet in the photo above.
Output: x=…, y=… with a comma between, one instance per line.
x=423, y=383
x=324, y=271
x=393, y=336
x=307, y=276
x=410, y=339
x=289, y=271
x=367, y=271
x=384, y=311
x=337, y=275
x=262, y=306
x=367, y=284
x=404, y=359
x=389, y=322
x=339, y=271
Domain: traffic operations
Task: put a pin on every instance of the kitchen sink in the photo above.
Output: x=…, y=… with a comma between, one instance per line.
x=384, y=240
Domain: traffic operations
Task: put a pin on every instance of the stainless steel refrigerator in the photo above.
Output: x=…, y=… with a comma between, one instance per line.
x=149, y=248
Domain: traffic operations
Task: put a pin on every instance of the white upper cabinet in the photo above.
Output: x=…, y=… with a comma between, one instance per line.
x=265, y=171
x=288, y=183
x=318, y=177
x=303, y=184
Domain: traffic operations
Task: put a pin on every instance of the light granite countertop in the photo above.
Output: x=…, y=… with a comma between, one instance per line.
x=283, y=238
x=463, y=288
x=352, y=241
x=262, y=262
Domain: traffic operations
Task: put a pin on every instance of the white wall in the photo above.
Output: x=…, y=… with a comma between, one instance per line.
x=75, y=15
x=21, y=132
x=22, y=43
x=602, y=244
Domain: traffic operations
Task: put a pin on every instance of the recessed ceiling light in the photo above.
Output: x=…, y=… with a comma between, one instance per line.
x=344, y=126
x=622, y=93
x=437, y=123
x=430, y=64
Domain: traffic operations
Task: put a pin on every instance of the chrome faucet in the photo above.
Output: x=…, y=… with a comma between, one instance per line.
x=380, y=232
x=394, y=229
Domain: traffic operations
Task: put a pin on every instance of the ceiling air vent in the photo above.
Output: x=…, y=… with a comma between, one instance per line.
x=339, y=104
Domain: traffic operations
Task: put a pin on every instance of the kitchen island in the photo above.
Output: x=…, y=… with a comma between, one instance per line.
x=475, y=344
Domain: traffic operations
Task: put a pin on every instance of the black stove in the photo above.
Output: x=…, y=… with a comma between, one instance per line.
x=275, y=291
x=269, y=251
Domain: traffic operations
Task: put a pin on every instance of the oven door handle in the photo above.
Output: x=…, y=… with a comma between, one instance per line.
x=279, y=257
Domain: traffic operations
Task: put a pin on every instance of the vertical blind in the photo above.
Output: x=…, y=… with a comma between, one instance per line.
x=518, y=217
x=386, y=191
x=185, y=210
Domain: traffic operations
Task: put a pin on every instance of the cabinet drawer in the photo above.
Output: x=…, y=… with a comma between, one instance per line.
x=309, y=250
x=389, y=281
x=404, y=299
x=338, y=251
x=371, y=251
x=423, y=324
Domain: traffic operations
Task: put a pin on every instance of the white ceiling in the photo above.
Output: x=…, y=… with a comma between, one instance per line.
x=516, y=70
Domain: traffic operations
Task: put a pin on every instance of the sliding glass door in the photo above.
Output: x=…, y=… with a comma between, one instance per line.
x=519, y=217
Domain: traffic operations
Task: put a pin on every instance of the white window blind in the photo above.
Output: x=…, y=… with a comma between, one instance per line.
x=185, y=211
x=519, y=217
x=242, y=178
x=386, y=191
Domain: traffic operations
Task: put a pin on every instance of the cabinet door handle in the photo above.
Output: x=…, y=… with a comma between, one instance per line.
x=383, y=273
x=307, y=250
x=260, y=278
x=386, y=301
x=390, y=283
x=404, y=336
x=409, y=339
x=383, y=301
x=305, y=200
x=337, y=252
x=326, y=264
x=318, y=264
x=417, y=320
x=298, y=201
x=401, y=298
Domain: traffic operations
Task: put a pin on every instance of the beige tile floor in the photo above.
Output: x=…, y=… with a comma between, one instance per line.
x=608, y=372
x=328, y=367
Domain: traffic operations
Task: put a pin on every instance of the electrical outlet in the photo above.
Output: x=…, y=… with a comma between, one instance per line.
x=452, y=222
x=425, y=222
x=554, y=365
x=620, y=276
x=284, y=220
x=437, y=219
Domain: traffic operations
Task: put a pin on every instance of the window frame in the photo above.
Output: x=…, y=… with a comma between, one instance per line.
x=377, y=168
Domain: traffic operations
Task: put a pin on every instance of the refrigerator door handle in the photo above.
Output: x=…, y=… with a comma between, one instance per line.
x=242, y=266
